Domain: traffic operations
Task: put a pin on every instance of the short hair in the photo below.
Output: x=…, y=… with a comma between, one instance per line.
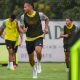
x=30, y=2
x=13, y=16
x=69, y=19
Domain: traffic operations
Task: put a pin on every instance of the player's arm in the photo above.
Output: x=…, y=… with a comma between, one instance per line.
x=19, y=29
x=2, y=27
x=3, y=34
x=62, y=35
x=22, y=25
x=46, y=19
x=46, y=24
x=1, y=31
x=20, y=39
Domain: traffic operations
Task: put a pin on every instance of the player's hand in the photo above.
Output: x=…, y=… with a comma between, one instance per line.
x=46, y=31
x=20, y=41
x=25, y=29
x=19, y=44
x=66, y=35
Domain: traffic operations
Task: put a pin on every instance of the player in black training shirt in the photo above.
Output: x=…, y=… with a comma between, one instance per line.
x=67, y=35
x=31, y=23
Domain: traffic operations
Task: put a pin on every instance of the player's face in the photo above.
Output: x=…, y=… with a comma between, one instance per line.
x=11, y=20
x=26, y=7
x=68, y=22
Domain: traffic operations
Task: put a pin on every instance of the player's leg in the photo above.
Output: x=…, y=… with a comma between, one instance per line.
x=38, y=49
x=32, y=63
x=14, y=56
x=11, y=52
x=14, y=53
x=67, y=58
x=30, y=50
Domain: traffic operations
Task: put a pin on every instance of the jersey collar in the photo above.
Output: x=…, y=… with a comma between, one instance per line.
x=69, y=27
x=33, y=14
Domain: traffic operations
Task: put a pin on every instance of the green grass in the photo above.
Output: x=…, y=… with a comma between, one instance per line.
x=50, y=71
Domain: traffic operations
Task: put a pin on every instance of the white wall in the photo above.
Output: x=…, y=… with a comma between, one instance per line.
x=53, y=48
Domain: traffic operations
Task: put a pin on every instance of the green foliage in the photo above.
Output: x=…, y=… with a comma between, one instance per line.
x=54, y=9
x=73, y=13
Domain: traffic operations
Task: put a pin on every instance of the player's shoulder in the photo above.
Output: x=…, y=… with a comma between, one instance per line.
x=41, y=13
x=74, y=24
x=4, y=21
x=65, y=26
x=16, y=20
x=22, y=16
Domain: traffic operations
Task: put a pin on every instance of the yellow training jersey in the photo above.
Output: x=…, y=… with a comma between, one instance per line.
x=10, y=30
x=17, y=38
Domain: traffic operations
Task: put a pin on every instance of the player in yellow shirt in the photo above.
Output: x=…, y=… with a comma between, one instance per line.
x=11, y=28
x=19, y=40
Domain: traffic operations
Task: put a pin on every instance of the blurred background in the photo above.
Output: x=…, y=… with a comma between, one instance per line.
x=53, y=52
x=54, y=9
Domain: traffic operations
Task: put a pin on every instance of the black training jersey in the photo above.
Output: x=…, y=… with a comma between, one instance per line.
x=34, y=25
x=70, y=32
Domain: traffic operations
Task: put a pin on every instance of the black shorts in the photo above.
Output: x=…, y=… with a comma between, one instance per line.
x=15, y=49
x=66, y=48
x=10, y=44
x=30, y=45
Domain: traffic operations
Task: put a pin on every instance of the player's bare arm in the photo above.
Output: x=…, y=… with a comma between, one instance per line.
x=46, y=25
x=20, y=39
x=2, y=28
x=62, y=35
x=20, y=29
x=1, y=31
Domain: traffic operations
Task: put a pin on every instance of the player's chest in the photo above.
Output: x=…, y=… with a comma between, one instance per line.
x=32, y=20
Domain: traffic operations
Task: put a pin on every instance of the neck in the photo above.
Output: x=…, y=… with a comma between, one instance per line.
x=11, y=20
x=68, y=24
x=30, y=12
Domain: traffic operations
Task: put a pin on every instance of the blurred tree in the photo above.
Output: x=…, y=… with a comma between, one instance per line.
x=4, y=9
x=73, y=13
x=54, y=9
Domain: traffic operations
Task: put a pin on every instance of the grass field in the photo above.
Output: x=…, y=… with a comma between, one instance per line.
x=50, y=71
